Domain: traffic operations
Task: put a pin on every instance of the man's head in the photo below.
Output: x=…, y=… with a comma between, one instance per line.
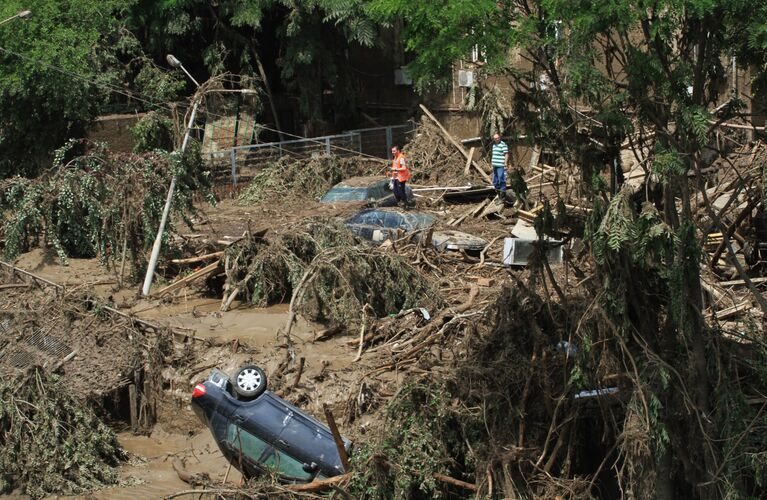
x=395, y=150
x=496, y=138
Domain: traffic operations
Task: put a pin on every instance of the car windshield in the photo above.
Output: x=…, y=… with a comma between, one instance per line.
x=346, y=193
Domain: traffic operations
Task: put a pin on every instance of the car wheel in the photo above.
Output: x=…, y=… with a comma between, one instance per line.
x=250, y=382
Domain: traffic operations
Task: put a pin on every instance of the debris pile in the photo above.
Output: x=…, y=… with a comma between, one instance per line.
x=94, y=202
x=305, y=179
x=50, y=443
x=326, y=274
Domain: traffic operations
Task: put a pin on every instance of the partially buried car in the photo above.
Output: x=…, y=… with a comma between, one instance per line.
x=378, y=226
x=257, y=431
x=373, y=190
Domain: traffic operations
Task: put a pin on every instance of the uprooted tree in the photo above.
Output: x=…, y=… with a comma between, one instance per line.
x=97, y=203
x=594, y=78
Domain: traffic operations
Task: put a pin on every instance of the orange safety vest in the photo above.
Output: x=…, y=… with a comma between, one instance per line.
x=399, y=169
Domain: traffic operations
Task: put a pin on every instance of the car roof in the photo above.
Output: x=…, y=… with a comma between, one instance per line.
x=361, y=181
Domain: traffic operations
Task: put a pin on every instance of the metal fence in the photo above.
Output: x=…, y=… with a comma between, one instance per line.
x=238, y=164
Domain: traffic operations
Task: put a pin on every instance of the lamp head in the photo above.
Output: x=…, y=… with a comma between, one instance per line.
x=24, y=13
x=173, y=61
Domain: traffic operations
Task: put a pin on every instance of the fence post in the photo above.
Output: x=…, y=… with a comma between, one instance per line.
x=327, y=145
x=233, y=158
x=388, y=143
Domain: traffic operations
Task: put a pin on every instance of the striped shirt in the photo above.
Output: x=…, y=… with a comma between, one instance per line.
x=499, y=151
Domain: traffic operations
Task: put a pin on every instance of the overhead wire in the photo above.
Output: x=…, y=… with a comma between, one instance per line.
x=146, y=100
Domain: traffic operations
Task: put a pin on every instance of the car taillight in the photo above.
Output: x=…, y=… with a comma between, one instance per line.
x=199, y=390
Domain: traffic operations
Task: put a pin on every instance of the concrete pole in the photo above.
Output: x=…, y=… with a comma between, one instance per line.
x=166, y=210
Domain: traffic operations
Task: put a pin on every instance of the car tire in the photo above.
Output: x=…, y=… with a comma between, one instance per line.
x=249, y=382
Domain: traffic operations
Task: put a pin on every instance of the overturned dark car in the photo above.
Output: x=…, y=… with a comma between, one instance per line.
x=257, y=431
x=378, y=226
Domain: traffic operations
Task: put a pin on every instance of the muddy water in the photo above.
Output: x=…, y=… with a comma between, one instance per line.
x=255, y=326
x=151, y=473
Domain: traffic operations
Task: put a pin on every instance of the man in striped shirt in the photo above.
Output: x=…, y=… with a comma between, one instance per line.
x=499, y=161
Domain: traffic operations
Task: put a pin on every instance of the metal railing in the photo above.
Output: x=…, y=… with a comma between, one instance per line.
x=240, y=163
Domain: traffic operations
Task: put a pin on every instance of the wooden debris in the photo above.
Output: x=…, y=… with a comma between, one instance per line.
x=201, y=258
x=209, y=269
x=468, y=161
x=733, y=311
x=731, y=229
x=455, y=482
x=457, y=145
x=336, y=436
x=485, y=282
x=319, y=484
x=755, y=281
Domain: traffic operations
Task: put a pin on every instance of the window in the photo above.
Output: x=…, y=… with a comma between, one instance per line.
x=248, y=444
x=287, y=466
x=253, y=448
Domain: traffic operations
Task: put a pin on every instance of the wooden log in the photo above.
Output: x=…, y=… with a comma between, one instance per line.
x=188, y=279
x=133, y=403
x=468, y=161
x=755, y=281
x=147, y=403
x=336, y=437
x=301, y=363
x=455, y=482
x=201, y=258
x=319, y=484
x=733, y=311
x=455, y=143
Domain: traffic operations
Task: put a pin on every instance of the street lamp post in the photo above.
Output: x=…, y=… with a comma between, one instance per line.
x=166, y=210
x=18, y=15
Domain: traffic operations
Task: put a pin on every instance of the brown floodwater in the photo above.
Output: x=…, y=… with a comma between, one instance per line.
x=150, y=471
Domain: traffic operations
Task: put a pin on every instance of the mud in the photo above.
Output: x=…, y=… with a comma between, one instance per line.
x=150, y=470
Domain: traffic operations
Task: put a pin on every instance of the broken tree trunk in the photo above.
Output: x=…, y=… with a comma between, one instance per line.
x=455, y=143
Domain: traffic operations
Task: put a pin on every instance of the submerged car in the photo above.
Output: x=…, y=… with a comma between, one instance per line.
x=374, y=190
x=257, y=431
x=378, y=226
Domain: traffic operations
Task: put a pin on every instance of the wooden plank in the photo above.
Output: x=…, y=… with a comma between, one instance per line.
x=468, y=161
x=188, y=279
x=755, y=281
x=456, y=144
x=336, y=437
x=535, y=156
x=733, y=311
x=133, y=403
x=201, y=258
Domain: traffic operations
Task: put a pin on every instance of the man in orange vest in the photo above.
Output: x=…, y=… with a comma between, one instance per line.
x=399, y=175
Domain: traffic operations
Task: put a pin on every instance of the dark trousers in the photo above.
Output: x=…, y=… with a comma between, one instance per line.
x=399, y=191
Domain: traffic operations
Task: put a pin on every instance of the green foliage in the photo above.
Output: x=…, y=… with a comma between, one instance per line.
x=153, y=131
x=422, y=438
x=341, y=276
x=438, y=34
x=93, y=202
x=50, y=443
x=314, y=38
x=52, y=69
